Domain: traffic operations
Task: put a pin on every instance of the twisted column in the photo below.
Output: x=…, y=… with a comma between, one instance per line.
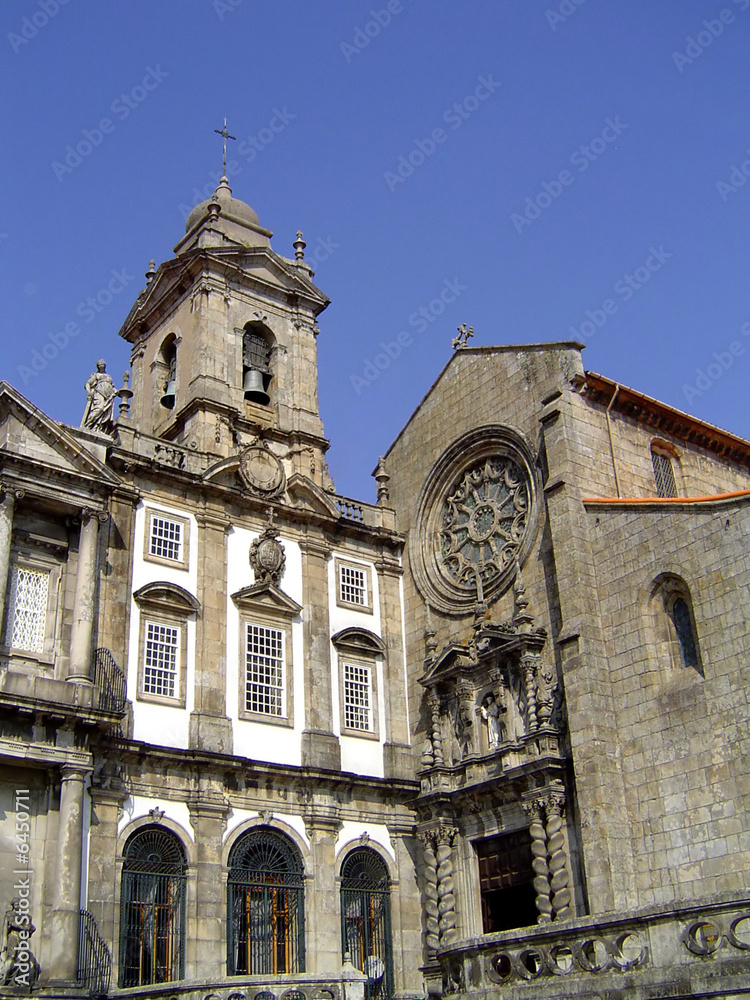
x=430, y=911
x=558, y=860
x=539, y=862
x=446, y=897
x=437, y=740
x=528, y=664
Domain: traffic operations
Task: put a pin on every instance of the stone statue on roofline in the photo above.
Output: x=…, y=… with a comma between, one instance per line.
x=100, y=403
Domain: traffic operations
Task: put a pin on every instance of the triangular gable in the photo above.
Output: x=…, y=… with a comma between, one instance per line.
x=29, y=434
x=309, y=495
x=266, y=597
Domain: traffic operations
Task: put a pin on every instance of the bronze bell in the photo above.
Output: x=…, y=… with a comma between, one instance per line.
x=169, y=393
x=253, y=387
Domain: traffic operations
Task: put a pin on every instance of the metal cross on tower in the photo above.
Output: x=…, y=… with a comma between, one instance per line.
x=225, y=134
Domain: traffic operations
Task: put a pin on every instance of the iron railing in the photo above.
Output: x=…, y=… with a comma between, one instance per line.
x=110, y=680
x=94, y=958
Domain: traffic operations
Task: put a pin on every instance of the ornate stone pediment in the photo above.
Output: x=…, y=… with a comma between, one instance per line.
x=358, y=640
x=266, y=597
x=167, y=597
x=307, y=494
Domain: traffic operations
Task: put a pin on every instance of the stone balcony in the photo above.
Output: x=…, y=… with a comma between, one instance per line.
x=697, y=949
x=347, y=985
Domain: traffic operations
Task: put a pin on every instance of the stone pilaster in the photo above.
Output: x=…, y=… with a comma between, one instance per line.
x=102, y=883
x=63, y=966
x=398, y=759
x=7, y=505
x=323, y=951
x=534, y=810
x=85, y=598
x=208, y=815
x=210, y=728
x=405, y=908
x=320, y=747
x=430, y=911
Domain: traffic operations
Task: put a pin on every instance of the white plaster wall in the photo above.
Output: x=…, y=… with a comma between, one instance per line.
x=375, y=831
x=257, y=740
x=137, y=806
x=361, y=755
x=163, y=725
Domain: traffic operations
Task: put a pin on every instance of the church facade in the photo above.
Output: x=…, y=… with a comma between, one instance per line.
x=487, y=736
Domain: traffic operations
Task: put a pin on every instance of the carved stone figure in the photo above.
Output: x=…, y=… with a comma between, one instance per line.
x=17, y=964
x=491, y=710
x=515, y=726
x=100, y=390
x=546, y=692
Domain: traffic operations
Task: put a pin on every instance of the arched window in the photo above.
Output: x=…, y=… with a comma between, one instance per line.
x=265, y=900
x=169, y=367
x=256, y=357
x=152, y=909
x=673, y=608
x=666, y=485
x=366, y=920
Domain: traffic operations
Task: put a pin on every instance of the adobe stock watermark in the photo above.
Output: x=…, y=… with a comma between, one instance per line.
x=121, y=107
x=696, y=45
x=565, y=9
x=624, y=289
x=722, y=361
x=364, y=34
x=419, y=320
x=582, y=158
x=738, y=177
x=454, y=116
x=87, y=310
x=31, y=26
x=224, y=7
x=23, y=967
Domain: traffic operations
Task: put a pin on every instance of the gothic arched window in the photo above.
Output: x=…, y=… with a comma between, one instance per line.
x=152, y=909
x=366, y=920
x=265, y=899
x=674, y=612
x=666, y=484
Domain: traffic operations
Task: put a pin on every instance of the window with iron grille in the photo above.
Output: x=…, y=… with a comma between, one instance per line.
x=161, y=660
x=265, y=899
x=166, y=538
x=366, y=920
x=352, y=585
x=358, y=697
x=663, y=474
x=27, y=609
x=264, y=670
x=152, y=909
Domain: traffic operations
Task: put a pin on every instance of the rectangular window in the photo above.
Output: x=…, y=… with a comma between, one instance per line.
x=27, y=609
x=506, y=882
x=161, y=660
x=664, y=475
x=166, y=538
x=352, y=585
x=357, y=697
x=264, y=670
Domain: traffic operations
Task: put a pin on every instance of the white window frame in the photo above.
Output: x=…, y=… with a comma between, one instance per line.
x=155, y=675
x=276, y=693
x=355, y=708
x=343, y=567
x=175, y=520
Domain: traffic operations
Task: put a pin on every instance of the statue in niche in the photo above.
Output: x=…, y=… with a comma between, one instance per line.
x=546, y=693
x=18, y=967
x=513, y=700
x=100, y=390
x=491, y=710
x=464, y=729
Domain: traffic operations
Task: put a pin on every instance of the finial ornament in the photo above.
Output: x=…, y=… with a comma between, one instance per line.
x=225, y=135
x=464, y=334
x=299, y=246
x=151, y=272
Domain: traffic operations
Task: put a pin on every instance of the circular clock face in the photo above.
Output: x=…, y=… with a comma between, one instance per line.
x=475, y=520
x=261, y=470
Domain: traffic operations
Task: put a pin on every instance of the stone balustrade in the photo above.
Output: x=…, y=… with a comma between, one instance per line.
x=348, y=985
x=686, y=948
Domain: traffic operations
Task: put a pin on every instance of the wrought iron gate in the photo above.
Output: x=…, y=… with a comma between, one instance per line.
x=152, y=909
x=266, y=906
x=366, y=920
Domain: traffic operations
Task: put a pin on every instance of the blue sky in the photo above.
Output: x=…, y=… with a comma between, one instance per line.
x=538, y=170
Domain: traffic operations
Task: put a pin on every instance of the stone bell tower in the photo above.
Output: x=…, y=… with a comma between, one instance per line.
x=224, y=343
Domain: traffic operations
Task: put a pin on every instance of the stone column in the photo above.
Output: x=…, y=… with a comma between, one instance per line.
x=398, y=758
x=323, y=952
x=558, y=858
x=433, y=701
x=539, y=864
x=7, y=505
x=210, y=727
x=320, y=748
x=529, y=663
x=430, y=911
x=446, y=887
x=79, y=668
x=67, y=897
x=208, y=815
